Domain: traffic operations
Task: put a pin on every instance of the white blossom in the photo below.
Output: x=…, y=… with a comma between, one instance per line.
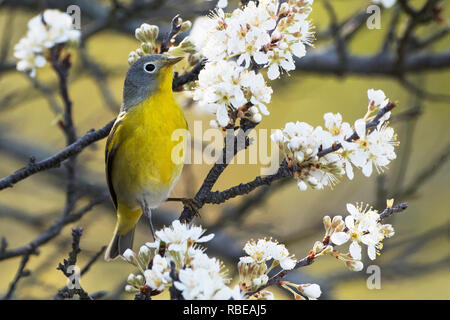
x=261, y=280
x=372, y=150
x=176, y=235
x=302, y=142
x=362, y=226
x=264, y=250
x=248, y=36
x=198, y=284
x=354, y=265
x=339, y=130
x=385, y=3
x=377, y=98
x=144, y=250
x=200, y=277
x=159, y=275
x=130, y=256
x=373, y=147
x=221, y=3
x=45, y=30
x=281, y=254
x=311, y=291
x=265, y=295
x=259, y=251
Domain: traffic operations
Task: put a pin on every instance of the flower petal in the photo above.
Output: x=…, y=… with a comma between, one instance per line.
x=372, y=252
x=353, y=210
x=339, y=238
x=355, y=250
x=360, y=128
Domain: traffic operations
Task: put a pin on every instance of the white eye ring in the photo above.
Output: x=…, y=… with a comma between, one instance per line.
x=149, y=67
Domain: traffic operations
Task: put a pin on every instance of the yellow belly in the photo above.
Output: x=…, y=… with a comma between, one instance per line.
x=143, y=166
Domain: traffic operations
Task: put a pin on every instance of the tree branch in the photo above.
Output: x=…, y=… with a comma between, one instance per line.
x=233, y=143
x=53, y=231
x=308, y=260
x=283, y=171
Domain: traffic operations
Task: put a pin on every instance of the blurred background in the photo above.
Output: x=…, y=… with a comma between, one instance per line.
x=415, y=263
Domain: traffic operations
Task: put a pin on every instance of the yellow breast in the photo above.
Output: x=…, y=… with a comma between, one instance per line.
x=143, y=162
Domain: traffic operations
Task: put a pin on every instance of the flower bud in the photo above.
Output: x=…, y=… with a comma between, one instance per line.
x=135, y=281
x=131, y=289
x=147, y=47
x=130, y=256
x=318, y=247
x=187, y=46
x=277, y=136
x=336, y=221
x=146, y=33
x=340, y=227
x=311, y=291
x=387, y=230
x=284, y=9
x=132, y=57
x=131, y=278
x=313, y=181
x=186, y=25
x=328, y=250
x=265, y=295
x=326, y=223
x=257, y=117
x=260, y=281
x=354, y=265
x=153, y=33
x=145, y=254
x=302, y=185
x=140, y=279
x=140, y=52
x=389, y=203
x=299, y=155
x=253, y=110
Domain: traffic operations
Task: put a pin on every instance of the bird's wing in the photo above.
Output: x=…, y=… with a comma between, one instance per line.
x=110, y=151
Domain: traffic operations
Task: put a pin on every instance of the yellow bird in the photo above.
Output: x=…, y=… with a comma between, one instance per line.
x=139, y=167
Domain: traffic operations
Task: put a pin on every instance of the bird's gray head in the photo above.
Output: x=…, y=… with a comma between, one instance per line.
x=147, y=75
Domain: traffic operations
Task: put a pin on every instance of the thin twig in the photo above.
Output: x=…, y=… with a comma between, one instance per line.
x=53, y=231
x=66, y=292
x=21, y=273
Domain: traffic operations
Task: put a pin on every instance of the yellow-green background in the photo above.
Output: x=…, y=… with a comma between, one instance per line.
x=287, y=213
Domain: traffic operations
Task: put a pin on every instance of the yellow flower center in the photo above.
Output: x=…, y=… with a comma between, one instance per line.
x=335, y=131
x=362, y=143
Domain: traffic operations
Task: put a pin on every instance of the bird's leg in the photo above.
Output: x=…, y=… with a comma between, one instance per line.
x=191, y=203
x=146, y=210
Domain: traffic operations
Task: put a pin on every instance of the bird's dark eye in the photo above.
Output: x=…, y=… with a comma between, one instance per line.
x=149, y=67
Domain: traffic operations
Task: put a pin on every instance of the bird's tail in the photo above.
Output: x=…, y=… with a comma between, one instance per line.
x=119, y=243
x=124, y=233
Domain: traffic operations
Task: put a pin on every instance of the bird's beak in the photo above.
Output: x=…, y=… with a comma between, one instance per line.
x=172, y=60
